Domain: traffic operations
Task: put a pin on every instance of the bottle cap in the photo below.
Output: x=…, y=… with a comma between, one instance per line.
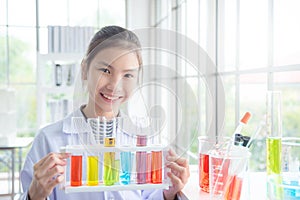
x=109, y=142
x=238, y=141
x=246, y=118
x=246, y=140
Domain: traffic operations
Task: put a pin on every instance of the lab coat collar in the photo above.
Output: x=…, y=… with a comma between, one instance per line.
x=67, y=122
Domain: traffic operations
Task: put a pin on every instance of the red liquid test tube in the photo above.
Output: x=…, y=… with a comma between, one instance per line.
x=204, y=172
x=76, y=170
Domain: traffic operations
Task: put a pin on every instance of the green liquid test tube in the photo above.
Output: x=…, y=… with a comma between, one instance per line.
x=274, y=155
x=273, y=143
x=109, y=163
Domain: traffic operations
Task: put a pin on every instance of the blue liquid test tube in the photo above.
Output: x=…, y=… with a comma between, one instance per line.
x=126, y=166
x=126, y=157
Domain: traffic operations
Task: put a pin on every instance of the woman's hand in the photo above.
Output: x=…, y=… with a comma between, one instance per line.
x=47, y=173
x=179, y=174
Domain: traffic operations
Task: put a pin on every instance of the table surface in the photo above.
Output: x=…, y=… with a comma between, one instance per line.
x=256, y=186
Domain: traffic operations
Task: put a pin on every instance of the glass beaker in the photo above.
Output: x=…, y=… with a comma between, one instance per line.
x=289, y=184
x=205, y=145
x=227, y=169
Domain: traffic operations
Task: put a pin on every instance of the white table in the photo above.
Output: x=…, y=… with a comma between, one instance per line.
x=17, y=144
x=256, y=182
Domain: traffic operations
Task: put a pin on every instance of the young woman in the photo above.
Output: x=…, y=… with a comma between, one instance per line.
x=110, y=70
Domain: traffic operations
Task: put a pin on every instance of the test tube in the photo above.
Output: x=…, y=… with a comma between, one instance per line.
x=148, y=167
x=108, y=162
x=92, y=170
x=116, y=167
x=126, y=166
x=156, y=162
x=141, y=160
x=76, y=170
x=133, y=175
x=111, y=160
x=108, y=158
x=274, y=131
x=126, y=157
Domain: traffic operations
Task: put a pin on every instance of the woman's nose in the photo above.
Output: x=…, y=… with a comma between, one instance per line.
x=114, y=83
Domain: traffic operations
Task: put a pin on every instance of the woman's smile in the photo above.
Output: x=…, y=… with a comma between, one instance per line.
x=110, y=98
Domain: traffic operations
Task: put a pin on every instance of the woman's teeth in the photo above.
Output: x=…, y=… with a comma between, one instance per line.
x=110, y=98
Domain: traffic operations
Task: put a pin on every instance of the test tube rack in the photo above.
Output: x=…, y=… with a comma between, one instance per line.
x=97, y=149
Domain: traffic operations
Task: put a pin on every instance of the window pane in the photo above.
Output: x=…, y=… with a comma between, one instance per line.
x=192, y=19
x=253, y=89
x=51, y=14
x=22, y=55
x=43, y=40
x=88, y=13
x=26, y=109
x=3, y=12
x=230, y=98
x=227, y=57
x=253, y=34
x=286, y=32
x=112, y=12
x=21, y=13
x=192, y=114
x=3, y=57
x=289, y=84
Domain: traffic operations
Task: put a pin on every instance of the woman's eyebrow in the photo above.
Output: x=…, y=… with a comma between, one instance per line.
x=105, y=64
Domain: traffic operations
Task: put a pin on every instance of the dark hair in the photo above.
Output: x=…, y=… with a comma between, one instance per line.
x=113, y=36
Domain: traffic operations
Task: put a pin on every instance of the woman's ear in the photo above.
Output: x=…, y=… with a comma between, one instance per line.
x=84, y=70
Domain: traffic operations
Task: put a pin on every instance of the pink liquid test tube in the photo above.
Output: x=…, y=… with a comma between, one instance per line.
x=141, y=160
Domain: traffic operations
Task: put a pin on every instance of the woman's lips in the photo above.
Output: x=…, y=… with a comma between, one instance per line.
x=109, y=98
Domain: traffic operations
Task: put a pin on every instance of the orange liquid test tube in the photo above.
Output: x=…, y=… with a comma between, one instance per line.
x=156, y=173
x=233, y=187
x=76, y=170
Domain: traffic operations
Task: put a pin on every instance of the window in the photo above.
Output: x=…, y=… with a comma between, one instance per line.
x=255, y=46
x=18, y=43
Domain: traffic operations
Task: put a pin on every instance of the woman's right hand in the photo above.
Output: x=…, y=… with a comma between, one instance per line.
x=47, y=173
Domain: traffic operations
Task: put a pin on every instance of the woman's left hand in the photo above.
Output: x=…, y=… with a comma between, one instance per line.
x=179, y=174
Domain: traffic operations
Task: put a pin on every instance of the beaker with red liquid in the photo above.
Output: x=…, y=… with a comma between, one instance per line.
x=205, y=145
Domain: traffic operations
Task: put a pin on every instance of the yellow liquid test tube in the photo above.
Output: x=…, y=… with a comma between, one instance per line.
x=92, y=171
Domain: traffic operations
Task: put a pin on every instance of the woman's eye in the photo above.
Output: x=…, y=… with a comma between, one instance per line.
x=104, y=70
x=128, y=76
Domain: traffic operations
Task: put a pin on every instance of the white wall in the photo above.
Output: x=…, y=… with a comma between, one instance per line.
x=138, y=13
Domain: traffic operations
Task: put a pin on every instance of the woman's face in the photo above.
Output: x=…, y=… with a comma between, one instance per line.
x=111, y=77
